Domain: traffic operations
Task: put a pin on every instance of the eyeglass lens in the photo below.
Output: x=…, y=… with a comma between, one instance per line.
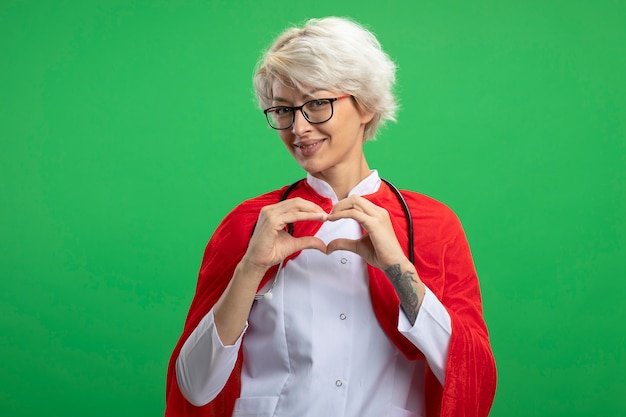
x=315, y=111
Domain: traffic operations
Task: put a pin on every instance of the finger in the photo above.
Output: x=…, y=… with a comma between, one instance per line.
x=349, y=213
x=355, y=202
x=278, y=215
x=297, y=216
x=298, y=204
x=358, y=209
x=368, y=221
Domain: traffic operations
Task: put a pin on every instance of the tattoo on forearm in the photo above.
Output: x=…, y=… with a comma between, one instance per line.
x=401, y=281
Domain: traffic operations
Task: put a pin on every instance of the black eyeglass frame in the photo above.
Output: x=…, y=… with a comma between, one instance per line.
x=293, y=109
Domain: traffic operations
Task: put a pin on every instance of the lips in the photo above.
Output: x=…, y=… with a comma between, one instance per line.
x=308, y=147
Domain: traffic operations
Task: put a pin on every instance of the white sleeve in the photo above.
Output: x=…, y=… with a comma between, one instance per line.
x=204, y=363
x=430, y=333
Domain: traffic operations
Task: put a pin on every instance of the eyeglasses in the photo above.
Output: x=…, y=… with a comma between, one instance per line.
x=315, y=111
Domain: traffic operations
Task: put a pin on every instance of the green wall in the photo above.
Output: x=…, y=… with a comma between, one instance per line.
x=128, y=129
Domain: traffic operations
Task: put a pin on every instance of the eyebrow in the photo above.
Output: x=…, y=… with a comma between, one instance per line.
x=304, y=96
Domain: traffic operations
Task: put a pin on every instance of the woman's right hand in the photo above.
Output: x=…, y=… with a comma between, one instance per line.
x=271, y=243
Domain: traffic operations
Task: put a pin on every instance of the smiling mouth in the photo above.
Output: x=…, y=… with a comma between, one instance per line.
x=308, y=145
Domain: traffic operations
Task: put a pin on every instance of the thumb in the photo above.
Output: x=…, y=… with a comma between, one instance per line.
x=342, y=244
x=310, y=242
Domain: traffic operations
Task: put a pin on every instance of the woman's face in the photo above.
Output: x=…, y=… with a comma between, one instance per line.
x=329, y=148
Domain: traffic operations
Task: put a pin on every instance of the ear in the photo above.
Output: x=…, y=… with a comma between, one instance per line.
x=367, y=117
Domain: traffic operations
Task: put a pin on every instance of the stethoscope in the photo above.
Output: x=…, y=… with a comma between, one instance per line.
x=407, y=213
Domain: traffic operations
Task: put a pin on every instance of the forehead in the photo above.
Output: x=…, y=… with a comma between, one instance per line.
x=283, y=92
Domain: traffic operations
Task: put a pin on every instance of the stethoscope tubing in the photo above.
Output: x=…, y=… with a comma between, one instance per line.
x=409, y=218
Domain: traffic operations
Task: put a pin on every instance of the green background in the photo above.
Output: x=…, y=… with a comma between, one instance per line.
x=128, y=129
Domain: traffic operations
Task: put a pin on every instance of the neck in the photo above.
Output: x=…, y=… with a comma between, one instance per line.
x=343, y=179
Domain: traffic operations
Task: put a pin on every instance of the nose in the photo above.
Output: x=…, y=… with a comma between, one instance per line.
x=300, y=124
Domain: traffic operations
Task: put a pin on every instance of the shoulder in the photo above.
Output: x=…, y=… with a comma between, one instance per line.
x=431, y=212
x=248, y=210
x=254, y=205
x=237, y=226
x=428, y=204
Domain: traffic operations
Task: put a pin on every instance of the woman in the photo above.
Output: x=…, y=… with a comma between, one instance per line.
x=307, y=301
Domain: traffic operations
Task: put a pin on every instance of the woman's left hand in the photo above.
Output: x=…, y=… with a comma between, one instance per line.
x=379, y=246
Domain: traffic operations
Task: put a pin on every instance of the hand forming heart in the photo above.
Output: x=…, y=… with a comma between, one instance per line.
x=270, y=243
x=379, y=245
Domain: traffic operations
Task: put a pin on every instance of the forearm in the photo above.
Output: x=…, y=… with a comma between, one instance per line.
x=204, y=363
x=431, y=332
x=408, y=286
x=233, y=308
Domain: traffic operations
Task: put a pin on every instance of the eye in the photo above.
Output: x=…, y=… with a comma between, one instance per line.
x=282, y=111
x=316, y=104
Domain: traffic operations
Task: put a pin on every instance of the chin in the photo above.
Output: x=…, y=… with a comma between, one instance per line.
x=311, y=168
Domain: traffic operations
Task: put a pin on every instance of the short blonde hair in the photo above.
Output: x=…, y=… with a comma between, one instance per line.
x=332, y=54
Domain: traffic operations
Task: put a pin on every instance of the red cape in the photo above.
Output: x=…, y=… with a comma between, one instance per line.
x=443, y=262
